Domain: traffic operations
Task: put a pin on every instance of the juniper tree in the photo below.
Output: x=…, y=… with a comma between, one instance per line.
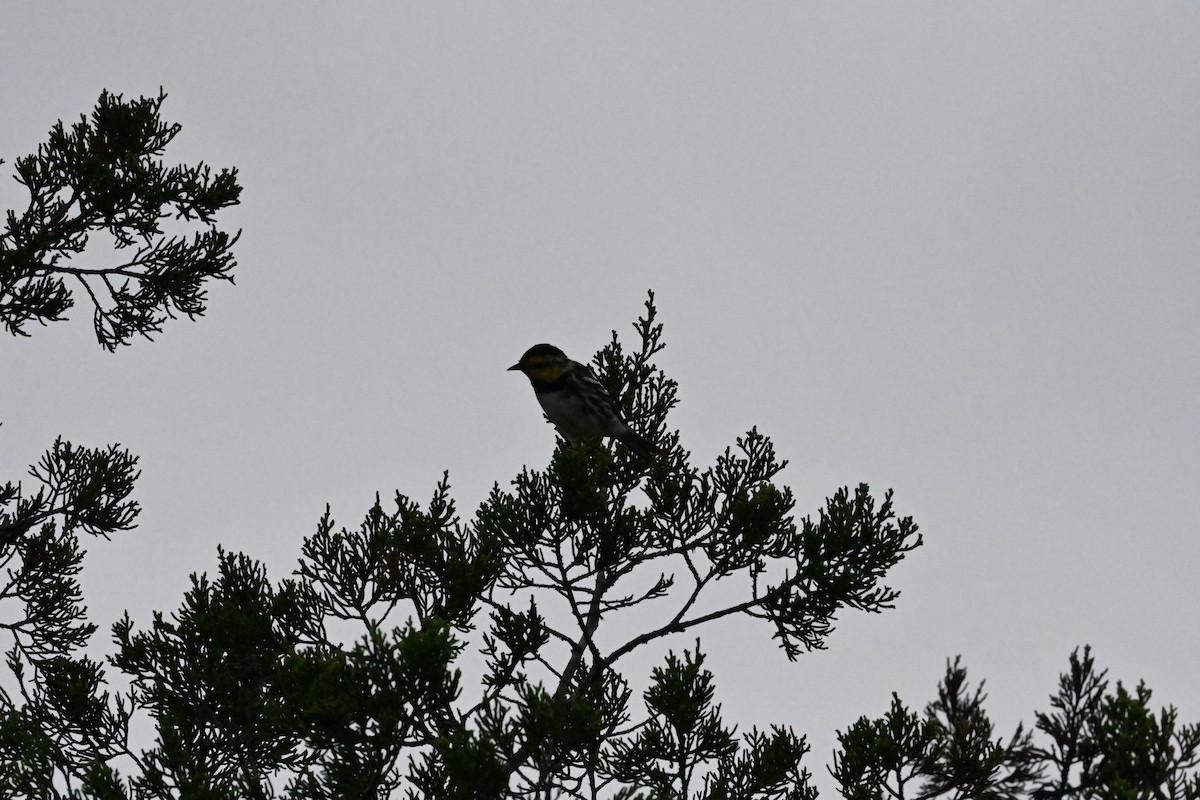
x=104, y=176
x=101, y=176
x=348, y=678
x=1093, y=744
x=344, y=679
x=57, y=720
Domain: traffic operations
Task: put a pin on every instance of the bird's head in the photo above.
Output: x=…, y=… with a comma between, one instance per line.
x=543, y=363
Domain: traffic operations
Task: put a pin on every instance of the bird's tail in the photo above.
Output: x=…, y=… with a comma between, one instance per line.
x=637, y=444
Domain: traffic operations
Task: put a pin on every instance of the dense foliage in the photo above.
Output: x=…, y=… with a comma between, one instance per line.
x=104, y=177
x=346, y=678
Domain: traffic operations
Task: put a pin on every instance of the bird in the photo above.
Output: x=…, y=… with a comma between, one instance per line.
x=575, y=401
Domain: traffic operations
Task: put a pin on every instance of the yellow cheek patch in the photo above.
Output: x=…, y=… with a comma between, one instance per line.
x=547, y=373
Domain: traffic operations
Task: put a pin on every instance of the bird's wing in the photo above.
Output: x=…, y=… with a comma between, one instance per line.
x=588, y=378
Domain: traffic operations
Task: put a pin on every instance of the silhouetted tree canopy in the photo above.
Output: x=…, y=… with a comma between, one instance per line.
x=345, y=678
x=105, y=176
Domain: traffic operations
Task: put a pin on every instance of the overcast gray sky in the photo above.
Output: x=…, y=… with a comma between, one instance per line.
x=946, y=248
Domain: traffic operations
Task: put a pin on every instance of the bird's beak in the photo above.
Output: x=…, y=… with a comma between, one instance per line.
x=514, y=366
